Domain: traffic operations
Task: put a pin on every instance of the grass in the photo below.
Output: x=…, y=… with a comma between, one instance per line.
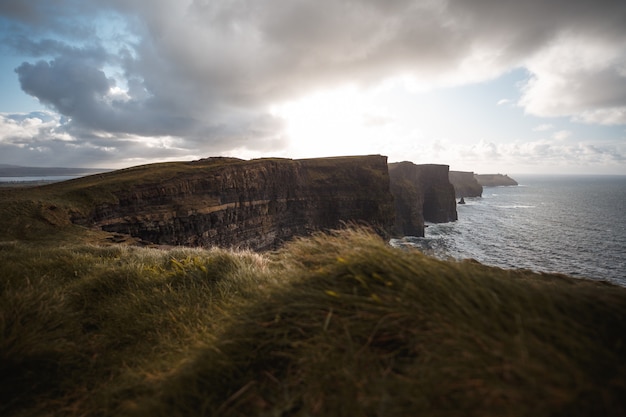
x=331, y=325
x=43, y=213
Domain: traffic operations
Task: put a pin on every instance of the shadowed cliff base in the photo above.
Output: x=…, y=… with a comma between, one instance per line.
x=331, y=325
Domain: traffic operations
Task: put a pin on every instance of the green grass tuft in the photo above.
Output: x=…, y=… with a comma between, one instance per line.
x=331, y=325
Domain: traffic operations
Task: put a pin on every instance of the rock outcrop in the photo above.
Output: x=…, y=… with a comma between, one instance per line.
x=255, y=204
x=495, y=180
x=465, y=184
x=422, y=193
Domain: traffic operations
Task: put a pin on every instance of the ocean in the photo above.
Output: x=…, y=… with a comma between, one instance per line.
x=575, y=225
x=47, y=178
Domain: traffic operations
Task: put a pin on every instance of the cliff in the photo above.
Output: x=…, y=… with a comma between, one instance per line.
x=254, y=204
x=495, y=180
x=230, y=202
x=465, y=184
x=422, y=193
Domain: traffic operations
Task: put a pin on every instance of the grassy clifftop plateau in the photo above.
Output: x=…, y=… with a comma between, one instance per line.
x=44, y=213
x=330, y=325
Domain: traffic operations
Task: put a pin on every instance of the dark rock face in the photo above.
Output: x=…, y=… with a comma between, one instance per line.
x=465, y=184
x=422, y=193
x=495, y=180
x=259, y=204
x=254, y=204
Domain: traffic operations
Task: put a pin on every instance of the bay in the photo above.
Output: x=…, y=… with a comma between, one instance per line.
x=574, y=225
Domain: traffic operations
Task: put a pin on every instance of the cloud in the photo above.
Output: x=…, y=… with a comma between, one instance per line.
x=482, y=150
x=561, y=134
x=604, y=116
x=56, y=142
x=42, y=139
x=579, y=75
x=543, y=127
x=582, y=154
x=208, y=72
x=544, y=156
x=49, y=139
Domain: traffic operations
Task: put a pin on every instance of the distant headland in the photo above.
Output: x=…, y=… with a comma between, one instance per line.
x=469, y=184
x=495, y=180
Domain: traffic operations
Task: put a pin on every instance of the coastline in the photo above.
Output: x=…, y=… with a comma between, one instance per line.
x=557, y=224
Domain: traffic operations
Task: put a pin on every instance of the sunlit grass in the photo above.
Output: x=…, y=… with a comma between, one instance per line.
x=331, y=325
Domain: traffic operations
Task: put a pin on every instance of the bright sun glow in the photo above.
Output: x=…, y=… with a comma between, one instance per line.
x=389, y=120
x=392, y=120
x=339, y=122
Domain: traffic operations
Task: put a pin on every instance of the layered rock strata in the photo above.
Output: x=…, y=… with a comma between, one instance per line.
x=465, y=184
x=422, y=193
x=254, y=204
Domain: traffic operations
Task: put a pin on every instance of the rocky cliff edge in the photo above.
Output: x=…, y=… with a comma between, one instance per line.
x=254, y=204
x=465, y=184
x=422, y=193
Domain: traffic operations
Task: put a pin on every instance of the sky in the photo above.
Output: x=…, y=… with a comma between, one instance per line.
x=490, y=86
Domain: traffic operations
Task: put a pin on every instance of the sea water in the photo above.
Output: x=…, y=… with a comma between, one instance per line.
x=574, y=225
x=50, y=178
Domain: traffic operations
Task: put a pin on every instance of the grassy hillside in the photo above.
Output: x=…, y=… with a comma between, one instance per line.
x=332, y=325
x=42, y=214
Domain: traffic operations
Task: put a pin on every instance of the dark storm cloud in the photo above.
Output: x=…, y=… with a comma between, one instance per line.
x=79, y=89
x=69, y=86
x=208, y=70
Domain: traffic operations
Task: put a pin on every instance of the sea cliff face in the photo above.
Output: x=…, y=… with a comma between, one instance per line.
x=229, y=202
x=422, y=193
x=465, y=184
x=255, y=204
